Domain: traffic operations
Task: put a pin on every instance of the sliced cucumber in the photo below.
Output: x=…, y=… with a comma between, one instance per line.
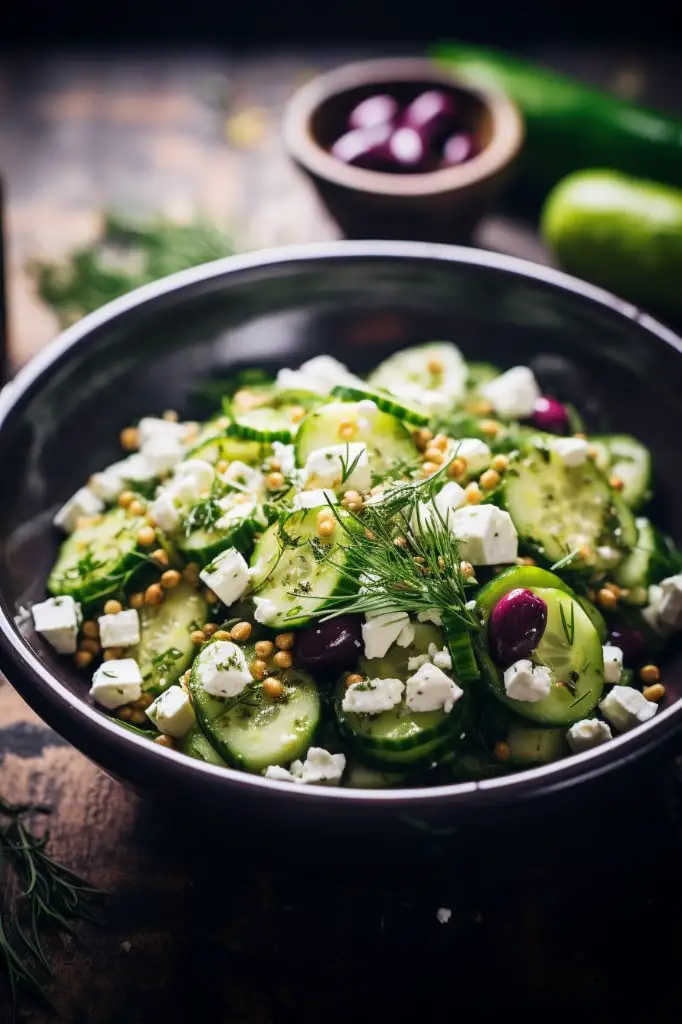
x=221, y=445
x=529, y=744
x=653, y=557
x=165, y=649
x=203, y=543
x=625, y=457
x=464, y=665
x=298, y=571
x=97, y=561
x=361, y=776
x=252, y=731
x=437, y=367
x=560, y=510
x=481, y=373
x=572, y=650
x=408, y=412
x=195, y=744
x=387, y=441
x=268, y=413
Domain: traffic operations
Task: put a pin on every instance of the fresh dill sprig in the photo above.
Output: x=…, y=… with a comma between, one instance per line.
x=348, y=466
x=568, y=627
x=566, y=561
x=41, y=897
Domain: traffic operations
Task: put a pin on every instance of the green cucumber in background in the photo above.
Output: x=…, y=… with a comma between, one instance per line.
x=622, y=233
x=570, y=125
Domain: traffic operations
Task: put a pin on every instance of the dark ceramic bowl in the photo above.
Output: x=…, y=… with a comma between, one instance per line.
x=60, y=418
x=439, y=206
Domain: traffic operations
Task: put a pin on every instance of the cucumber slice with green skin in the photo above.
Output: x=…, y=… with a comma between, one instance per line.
x=560, y=510
x=195, y=744
x=528, y=577
x=408, y=412
x=387, y=441
x=360, y=776
x=297, y=570
x=572, y=649
x=223, y=446
x=464, y=666
x=252, y=731
x=652, y=559
x=267, y=413
x=436, y=366
x=625, y=457
x=98, y=561
x=529, y=744
x=400, y=738
x=205, y=542
x=165, y=649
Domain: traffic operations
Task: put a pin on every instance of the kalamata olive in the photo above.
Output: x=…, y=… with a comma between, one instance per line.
x=549, y=414
x=334, y=644
x=375, y=110
x=458, y=149
x=409, y=150
x=631, y=643
x=432, y=114
x=366, y=148
x=516, y=625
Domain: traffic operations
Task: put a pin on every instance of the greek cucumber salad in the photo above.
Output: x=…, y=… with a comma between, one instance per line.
x=428, y=575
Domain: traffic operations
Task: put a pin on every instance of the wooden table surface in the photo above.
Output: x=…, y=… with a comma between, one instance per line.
x=570, y=921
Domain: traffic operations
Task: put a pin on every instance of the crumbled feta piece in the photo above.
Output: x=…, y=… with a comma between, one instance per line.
x=571, y=450
x=527, y=682
x=626, y=707
x=430, y=615
x=451, y=497
x=313, y=499
x=429, y=689
x=406, y=635
x=248, y=476
x=296, y=380
x=664, y=611
x=266, y=610
x=382, y=629
x=477, y=454
x=588, y=733
x=613, y=663
x=222, y=669
x=235, y=513
x=608, y=554
x=414, y=663
x=443, y=914
x=162, y=454
x=195, y=473
x=116, y=682
x=486, y=534
x=513, y=394
x=279, y=774
x=83, y=503
x=135, y=469
x=164, y=511
x=434, y=401
x=372, y=697
x=320, y=766
x=227, y=576
x=119, y=630
x=329, y=372
x=58, y=620
x=151, y=428
x=440, y=658
x=108, y=484
x=325, y=467
x=285, y=454
x=172, y=713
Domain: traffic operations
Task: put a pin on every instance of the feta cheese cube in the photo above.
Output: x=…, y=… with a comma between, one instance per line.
x=151, y=428
x=320, y=767
x=668, y=602
x=116, y=682
x=626, y=707
x=430, y=615
x=58, y=620
x=222, y=669
x=429, y=689
x=119, y=630
x=172, y=712
x=440, y=658
x=266, y=610
x=527, y=682
x=165, y=512
x=279, y=774
x=486, y=534
x=372, y=697
x=329, y=372
x=325, y=467
x=613, y=663
x=83, y=503
x=571, y=450
x=313, y=499
x=513, y=394
x=227, y=576
x=162, y=454
x=406, y=635
x=196, y=474
x=588, y=733
x=440, y=508
x=382, y=629
x=108, y=484
x=286, y=456
x=477, y=454
x=134, y=470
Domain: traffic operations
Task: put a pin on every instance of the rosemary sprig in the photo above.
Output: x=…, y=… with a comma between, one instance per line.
x=40, y=897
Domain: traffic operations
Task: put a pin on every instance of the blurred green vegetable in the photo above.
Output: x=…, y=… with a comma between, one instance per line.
x=128, y=253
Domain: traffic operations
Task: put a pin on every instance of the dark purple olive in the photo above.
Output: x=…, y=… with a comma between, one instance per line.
x=549, y=414
x=366, y=148
x=516, y=625
x=375, y=110
x=432, y=114
x=409, y=150
x=631, y=643
x=458, y=149
x=335, y=644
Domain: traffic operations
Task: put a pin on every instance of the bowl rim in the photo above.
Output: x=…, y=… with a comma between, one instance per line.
x=303, y=148
x=105, y=740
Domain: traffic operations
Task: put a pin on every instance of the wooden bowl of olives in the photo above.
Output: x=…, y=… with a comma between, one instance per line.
x=399, y=148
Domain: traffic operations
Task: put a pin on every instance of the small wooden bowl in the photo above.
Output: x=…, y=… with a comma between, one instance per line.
x=439, y=206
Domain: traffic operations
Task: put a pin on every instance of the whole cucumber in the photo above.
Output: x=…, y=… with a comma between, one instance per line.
x=570, y=125
x=622, y=233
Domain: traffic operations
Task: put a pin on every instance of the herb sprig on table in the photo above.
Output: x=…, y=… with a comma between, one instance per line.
x=38, y=898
